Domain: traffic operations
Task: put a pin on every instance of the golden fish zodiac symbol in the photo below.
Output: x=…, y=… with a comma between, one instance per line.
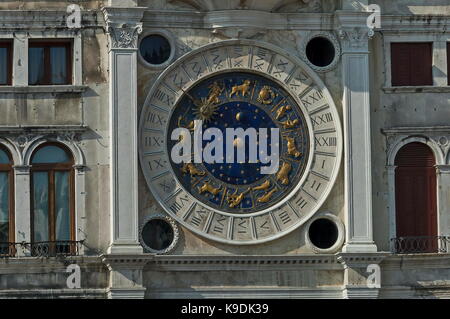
x=283, y=173
x=192, y=170
x=266, y=95
x=282, y=110
x=235, y=200
x=266, y=197
x=244, y=88
x=214, y=93
x=292, y=149
x=208, y=188
x=290, y=124
x=264, y=186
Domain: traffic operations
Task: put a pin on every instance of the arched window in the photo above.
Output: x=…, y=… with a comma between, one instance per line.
x=52, y=188
x=415, y=199
x=6, y=203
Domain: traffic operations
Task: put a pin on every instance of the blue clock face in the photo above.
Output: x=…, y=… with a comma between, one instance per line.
x=227, y=103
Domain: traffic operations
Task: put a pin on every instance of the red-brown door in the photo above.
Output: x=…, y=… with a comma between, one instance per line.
x=415, y=186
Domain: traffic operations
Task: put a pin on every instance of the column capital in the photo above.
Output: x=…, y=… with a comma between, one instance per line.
x=354, y=31
x=123, y=25
x=22, y=169
x=443, y=169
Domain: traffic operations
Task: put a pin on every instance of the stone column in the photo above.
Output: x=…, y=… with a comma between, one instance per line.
x=22, y=207
x=443, y=199
x=391, y=202
x=124, y=26
x=357, y=135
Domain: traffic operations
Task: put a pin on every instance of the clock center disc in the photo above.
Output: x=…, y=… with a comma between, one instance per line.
x=256, y=106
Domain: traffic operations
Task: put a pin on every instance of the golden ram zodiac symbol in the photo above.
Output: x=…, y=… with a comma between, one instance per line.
x=208, y=188
x=266, y=197
x=283, y=173
x=192, y=170
x=282, y=110
x=244, y=88
x=264, y=186
x=266, y=95
x=235, y=200
x=292, y=149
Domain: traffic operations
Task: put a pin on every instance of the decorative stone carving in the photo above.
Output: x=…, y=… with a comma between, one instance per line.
x=125, y=37
x=355, y=38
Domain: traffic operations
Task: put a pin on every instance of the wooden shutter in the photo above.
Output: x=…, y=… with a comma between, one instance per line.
x=412, y=64
x=415, y=188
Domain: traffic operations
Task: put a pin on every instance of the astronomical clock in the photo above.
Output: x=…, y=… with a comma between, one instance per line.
x=231, y=85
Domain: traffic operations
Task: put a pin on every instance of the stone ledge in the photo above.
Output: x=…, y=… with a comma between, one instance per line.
x=416, y=89
x=39, y=89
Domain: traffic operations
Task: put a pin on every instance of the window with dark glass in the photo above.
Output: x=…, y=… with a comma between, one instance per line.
x=412, y=64
x=5, y=62
x=49, y=63
x=155, y=49
x=6, y=203
x=53, y=216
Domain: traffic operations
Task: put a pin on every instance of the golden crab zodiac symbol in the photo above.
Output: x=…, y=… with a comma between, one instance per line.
x=235, y=200
x=208, y=188
x=192, y=170
x=292, y=149
x=283, y=173
x=266, y=95
x=267, y=197
x=244, y=88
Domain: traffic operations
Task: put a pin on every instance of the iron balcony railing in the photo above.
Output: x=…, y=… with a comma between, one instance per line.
x=421, y=244
x=41, y=249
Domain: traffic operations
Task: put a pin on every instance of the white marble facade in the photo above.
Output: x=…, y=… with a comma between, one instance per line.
x=100, y=125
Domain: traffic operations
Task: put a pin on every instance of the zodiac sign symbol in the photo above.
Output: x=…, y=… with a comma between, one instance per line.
x=192, y=170
x=190, y=126
x=292, y=149
x=283, y=173
x=243, y=89
x=214, y=93
x=264, y=186
x=266, y=95
x=290, y=124
x=208, y=188
x=266, y=198
x=282, y=110
x=235, y=200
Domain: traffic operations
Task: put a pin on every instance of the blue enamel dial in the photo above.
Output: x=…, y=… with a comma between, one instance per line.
x=247, y=101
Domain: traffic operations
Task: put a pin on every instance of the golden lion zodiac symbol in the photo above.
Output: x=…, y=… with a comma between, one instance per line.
x=266, y=95
x=266, y=198
x=264, y=186
x=282, y=110
x=283, y=173
x=235, y=200
x=192, y=170
x=244, y=88
x=208, y=188
x=292, y=149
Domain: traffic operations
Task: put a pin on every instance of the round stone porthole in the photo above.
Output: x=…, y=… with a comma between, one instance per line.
x=156, y=49
x=325, y=233
x=159, y=234
x=321, y=51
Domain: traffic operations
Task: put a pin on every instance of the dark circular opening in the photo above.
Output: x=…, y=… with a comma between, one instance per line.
x=155, y=49
x=320, y=51
x=323, y=233
x=157, y=234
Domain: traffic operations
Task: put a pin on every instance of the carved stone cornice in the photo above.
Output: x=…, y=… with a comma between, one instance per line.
x=124, y=26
